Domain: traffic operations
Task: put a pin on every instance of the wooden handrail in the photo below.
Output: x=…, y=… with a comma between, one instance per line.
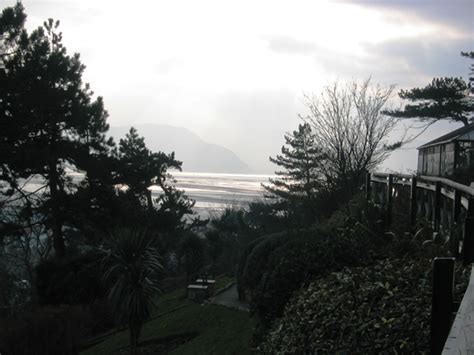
x=453, y=184
x=462, y=197
x=447, y=182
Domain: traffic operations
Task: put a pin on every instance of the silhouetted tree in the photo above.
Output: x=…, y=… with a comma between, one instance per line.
x=442, y=99
x=470, y=55
x=298, y=184
x=51, y=120
x=140, y=170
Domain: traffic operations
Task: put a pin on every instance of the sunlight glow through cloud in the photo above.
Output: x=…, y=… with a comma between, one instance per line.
x=173, y=61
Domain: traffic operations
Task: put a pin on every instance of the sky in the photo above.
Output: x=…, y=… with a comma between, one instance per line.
x=234, y=72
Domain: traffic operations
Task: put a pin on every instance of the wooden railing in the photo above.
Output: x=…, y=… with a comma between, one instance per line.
x=446, y=204
x=449, y=207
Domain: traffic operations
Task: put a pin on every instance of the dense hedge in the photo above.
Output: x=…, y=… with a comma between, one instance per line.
x=381, y=308
x=298, y=261
x=277, y=265
x=255, y=263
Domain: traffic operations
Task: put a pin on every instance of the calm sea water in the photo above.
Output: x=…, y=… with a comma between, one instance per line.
x=214, y=192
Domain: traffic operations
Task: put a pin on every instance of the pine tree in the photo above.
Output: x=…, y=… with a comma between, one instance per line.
x=51, y=119
x=470, y=55
x=139, y=169
x=442, y=99
x=297, y=185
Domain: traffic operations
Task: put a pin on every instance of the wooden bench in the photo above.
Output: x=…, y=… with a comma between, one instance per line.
x=207, y=282
x=198, y=293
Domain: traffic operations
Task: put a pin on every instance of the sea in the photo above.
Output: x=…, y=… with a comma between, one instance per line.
x=214, y=192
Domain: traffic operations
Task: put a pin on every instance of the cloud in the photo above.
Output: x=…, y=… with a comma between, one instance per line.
x=458, y=14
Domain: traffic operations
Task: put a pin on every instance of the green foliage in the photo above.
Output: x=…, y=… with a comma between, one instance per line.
x=380, y=303
x=273, y=267
x=383, y=308
x=242, y=264
x=254, y=264
x=300, y=260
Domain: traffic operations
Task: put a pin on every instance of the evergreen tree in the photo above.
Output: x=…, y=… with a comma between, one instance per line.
x=140, y=169
x=442, y=99
x=297, y=185
x=51, y=119
x=470, y=55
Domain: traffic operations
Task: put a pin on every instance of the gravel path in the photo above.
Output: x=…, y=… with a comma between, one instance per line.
x=230, y=298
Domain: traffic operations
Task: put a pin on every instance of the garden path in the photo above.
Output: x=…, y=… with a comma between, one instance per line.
x=230, y=298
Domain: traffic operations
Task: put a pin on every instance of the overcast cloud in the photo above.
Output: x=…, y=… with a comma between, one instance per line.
x=234, y=72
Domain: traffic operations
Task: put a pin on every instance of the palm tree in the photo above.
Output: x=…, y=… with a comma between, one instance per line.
x=132, y=269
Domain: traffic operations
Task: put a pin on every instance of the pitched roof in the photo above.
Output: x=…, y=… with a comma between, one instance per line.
x=449, y=137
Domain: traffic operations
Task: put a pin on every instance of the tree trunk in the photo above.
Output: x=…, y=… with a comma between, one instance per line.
x=58, y=240
x=135, y=328
x=149, y=200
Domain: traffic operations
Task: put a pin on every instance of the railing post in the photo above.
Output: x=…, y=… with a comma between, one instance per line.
x=468, y=234
x=413, y=205
x=389, y=201
x=454, y=239
x=442, y=302
x=437, y=206
x=367, y=186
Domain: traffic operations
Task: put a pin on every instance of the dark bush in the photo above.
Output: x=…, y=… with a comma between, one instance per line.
x=48, y=331
x=301, y=259
x=254, y=264
x=241, y=267
x=380, y=308
x=192, y=255
x=383, y=308
x=72, y=280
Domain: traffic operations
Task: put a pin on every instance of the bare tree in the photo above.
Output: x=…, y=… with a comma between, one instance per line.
x=348, y=125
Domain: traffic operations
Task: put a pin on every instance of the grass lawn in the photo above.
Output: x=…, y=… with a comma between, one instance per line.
x=219, y=330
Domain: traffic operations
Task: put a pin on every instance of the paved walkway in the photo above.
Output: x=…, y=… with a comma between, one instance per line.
x=230, y=298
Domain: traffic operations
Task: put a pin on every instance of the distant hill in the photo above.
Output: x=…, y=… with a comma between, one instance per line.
x=196, y=154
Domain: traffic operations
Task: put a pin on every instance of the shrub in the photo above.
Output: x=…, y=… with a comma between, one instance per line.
x=241, y=266
x=48, y=331
x=192, y=255
x=381, y=308
x=297, y=262
x=254, y=265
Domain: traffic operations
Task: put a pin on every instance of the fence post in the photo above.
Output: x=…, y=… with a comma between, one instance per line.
x=454, y=239
x=367, y=186
x=388, y=212
x=413, y=205
x=441, y=302
x=437, y=206
x=468, y=234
